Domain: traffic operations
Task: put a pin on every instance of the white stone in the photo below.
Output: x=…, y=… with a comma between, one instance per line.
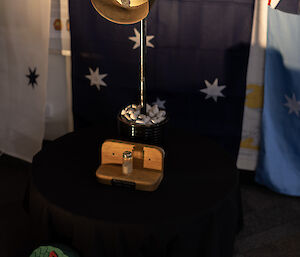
x=130, y=110
x=133, y=116
x=140, y=122
x=155, y=109
x=127, y=116
x=123, y=112
x=154, y=120
x=141, y=116
x=161, y=114
x=160, y=119
x=148, y=107
x=146, y=119
x=151, y=114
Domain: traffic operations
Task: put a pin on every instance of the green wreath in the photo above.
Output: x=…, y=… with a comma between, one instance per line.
x=51, y=251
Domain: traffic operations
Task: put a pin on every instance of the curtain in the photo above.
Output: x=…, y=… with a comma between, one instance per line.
x=24, y=39
x=196, y=65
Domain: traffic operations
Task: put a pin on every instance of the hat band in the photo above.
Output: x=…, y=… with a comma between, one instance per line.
x=131, y=3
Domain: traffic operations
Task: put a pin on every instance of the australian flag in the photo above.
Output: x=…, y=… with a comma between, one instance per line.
x=197, y=54
x=279, y=162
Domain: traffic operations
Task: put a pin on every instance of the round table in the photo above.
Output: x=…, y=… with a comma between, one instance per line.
x=194, y=212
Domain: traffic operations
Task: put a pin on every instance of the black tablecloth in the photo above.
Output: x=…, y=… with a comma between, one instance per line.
x=194, y=212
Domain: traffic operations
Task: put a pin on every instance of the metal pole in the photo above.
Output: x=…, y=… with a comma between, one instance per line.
x=142, y=63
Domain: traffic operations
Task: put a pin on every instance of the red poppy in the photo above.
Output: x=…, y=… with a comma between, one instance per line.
x=52, y=254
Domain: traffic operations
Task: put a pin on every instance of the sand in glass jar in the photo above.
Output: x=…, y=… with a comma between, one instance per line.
x=127, y=163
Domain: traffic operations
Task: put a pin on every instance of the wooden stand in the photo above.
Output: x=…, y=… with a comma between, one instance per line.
x=148, y=165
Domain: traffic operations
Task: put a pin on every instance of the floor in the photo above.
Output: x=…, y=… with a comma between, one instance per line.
x=271, y=221
x=14, y=221
x=271, y=224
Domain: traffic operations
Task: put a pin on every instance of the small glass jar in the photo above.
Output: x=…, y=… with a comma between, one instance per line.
x=127, y=163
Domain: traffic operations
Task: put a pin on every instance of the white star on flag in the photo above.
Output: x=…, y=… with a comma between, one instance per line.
x=213, y=90
x=160, y=103
x=96, y=79
x=274, y=3
x=136, y=39
x=292, y=104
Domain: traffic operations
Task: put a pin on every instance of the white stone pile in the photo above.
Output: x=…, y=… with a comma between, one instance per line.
x=153, y=114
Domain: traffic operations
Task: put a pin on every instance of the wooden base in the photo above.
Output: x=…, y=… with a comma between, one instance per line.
x=148, y=162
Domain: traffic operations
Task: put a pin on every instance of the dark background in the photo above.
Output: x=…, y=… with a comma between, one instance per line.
x=194, y=41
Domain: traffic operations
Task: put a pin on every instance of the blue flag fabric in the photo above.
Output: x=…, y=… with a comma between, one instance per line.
x=279, y=159
x=197, y=58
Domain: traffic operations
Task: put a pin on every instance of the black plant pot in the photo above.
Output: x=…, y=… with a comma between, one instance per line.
x=147, y=134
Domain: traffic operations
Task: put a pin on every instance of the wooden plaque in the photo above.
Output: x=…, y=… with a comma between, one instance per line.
x=148, y=165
